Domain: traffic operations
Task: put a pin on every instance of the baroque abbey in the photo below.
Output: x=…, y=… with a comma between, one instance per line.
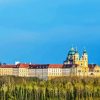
x=82, y=67
x=74, y=58
x=74, y=65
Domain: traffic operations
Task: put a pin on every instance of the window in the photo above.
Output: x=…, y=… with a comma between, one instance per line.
x=97, y=70
x=79, y=70
x=92, y=74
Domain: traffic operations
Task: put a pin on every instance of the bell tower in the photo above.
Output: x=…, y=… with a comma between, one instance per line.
x=85, y=58
x=76, y=57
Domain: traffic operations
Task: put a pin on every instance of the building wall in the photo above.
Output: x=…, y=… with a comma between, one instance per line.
x=15, y=72
x=38, y=72
x=54, y=72
x=6, y=71
x=31, y=72
x=95, y=72
x=23, y=72
x=66, y=71
x=82, y=71
x=48, y=73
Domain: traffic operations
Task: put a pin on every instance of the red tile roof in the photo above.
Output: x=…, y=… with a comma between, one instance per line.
x=8, y=66
x=23, y=66
x=55, y=66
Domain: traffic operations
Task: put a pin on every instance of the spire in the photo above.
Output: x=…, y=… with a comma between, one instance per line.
x=76, y=50
x=84, y=51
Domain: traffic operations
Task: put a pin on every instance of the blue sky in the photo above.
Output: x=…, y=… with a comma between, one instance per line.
x=42, y=31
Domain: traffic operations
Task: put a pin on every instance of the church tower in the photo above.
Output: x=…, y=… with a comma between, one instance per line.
x=73, y=57
x=76, y=57
x=85, y=58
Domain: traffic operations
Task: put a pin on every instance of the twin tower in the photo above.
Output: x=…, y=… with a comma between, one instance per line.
x=73, y=57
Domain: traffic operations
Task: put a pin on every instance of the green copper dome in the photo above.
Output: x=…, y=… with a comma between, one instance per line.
x=72, y=51
x=85, y=52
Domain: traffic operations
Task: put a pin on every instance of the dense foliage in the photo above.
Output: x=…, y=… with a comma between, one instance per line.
x=74, y=88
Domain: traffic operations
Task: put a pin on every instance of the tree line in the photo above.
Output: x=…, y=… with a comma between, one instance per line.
x=65, y=88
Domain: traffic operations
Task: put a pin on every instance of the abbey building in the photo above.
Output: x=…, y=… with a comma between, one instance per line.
x=82, y=68
x=74, y=65
x=74, y=58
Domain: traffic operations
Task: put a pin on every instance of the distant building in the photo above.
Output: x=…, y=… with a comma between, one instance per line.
x=74, y=58
x=74, y=65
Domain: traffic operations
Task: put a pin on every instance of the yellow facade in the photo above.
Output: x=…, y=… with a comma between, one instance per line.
x=83, y=69
x=95, y=72
x=6, y=71
x=54, y=70
x=23, y=72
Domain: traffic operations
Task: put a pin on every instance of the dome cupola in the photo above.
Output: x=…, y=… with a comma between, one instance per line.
x=71, y=52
